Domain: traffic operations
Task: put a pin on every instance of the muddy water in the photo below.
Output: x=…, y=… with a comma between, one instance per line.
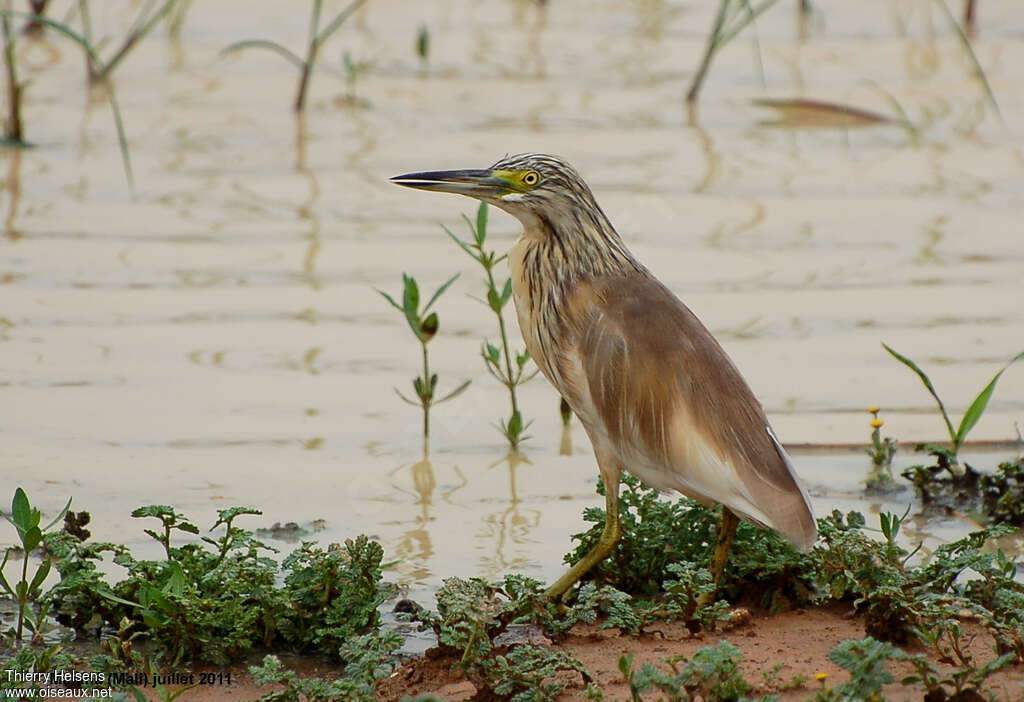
x=216, y=340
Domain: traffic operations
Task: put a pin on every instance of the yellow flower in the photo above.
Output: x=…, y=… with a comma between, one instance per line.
x=873, y=409
x=876, y=423
x=821, y=676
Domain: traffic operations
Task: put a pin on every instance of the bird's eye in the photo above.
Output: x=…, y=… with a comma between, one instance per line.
x=531, y=178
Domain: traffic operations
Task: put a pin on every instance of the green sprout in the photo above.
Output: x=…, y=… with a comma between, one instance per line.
x=424, y=325
x=99, y=70
x=317, y=38
x=732, y=18
x=14, y=132
x=881, y=452
x=25, y=519
x=499, y=362
x=971, y=416
x=423, y=44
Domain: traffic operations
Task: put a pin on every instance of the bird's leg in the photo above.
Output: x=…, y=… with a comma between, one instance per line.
x=605, y=545
x=725, y=536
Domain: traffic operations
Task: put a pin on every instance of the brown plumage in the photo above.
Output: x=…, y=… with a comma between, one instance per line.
x=654, y=390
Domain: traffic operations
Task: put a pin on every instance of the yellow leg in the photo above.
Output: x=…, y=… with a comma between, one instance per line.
x=725, y=536
x=605, y=545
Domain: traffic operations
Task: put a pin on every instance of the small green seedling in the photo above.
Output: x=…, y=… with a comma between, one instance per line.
x=99, y=70
x=424, y=325
x=14, y=132
x=973, y=413
x=25, y=519
x=732, y=18
x=353, y=71
x=499, y=362
x=423, y=44
x=317, y=38
x=881, y=452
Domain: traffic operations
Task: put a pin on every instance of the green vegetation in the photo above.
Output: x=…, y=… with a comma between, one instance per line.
x=881, y=452
x=100, y=70
x=423, y=45
x=970, y=418
x=221, y=597
x=316, y=40
x=712, y=674
x=507, y=369
x=14, y=131
x=424, y=325
x=733, y=17
x=25, y=518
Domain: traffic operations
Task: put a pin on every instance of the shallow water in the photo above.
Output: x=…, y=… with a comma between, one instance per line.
x=216, y=339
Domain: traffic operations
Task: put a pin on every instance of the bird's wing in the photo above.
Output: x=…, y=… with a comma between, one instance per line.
x=667, y=398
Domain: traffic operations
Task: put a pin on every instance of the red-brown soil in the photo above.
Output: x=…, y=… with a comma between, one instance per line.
x=800, y=639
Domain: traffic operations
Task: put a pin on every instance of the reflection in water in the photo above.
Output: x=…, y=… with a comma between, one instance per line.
x=415, y=546
x=307, y=210
x=510, y=526
x=565, y=445
x=13, y=187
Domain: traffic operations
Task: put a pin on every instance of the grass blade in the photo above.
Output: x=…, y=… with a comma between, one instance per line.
x=94, y=60
x=928, y=384
x=965, y=42
x=265, y=44
x=339, y=20
x=977, y=408
x=439, y=292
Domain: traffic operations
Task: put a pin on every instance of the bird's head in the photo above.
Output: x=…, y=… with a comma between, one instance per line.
x=539, y=190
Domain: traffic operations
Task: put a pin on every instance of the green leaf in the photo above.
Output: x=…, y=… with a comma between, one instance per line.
x=40, y=576
x=21, y=510
x=481, y=223
x=463, y=245
x=31, y=539
x=410, y=303
x=440, y=291
x=3, y=580
x=411, y=295
x=928, y=384
x=492, y=354
x=493, y=301
x=60, y=516
x=454, y=393
x=391, y=300
x=977, y=408
x=506, y=293
x=265, y=44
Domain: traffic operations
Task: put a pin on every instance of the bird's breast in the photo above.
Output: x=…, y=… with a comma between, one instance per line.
x=535, y=308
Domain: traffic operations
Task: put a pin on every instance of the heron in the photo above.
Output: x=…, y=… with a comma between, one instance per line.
x=654, y=390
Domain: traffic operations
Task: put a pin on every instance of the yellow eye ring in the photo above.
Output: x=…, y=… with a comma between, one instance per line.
x=531, y=178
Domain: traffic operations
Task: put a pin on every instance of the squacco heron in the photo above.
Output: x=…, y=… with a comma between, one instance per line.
x=652, y=387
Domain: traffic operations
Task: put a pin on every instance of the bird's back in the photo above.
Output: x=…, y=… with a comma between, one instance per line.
x=653, y=386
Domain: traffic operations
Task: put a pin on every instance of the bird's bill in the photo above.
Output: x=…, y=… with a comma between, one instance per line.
x=478, y=183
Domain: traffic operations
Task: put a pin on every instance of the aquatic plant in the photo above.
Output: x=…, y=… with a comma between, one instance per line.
x=424, y=325
x=733, y=17
x=423, y=44
x=99, y=71
x=25, y=518
x=507, y=369
x=961, y=33
x=881, y=452
x=971, y=416
x=14, y=133
x=314, y=43
x=13, y=130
